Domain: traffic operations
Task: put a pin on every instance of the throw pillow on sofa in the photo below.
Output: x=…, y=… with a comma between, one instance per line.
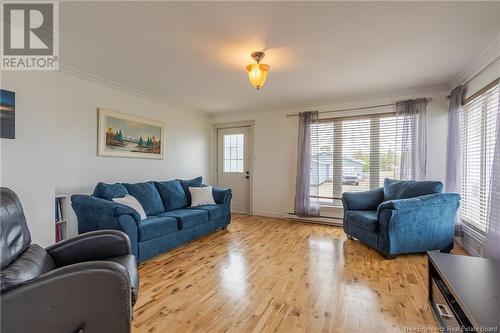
x=110, y=191
x=172, y=194
x=186, y=184
x=201, y=196
x=132, y=202
x=147, y=194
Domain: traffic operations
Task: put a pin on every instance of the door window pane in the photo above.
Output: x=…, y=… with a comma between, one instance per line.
x=233, y=153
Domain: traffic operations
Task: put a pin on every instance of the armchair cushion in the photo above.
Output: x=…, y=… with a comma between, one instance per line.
x=364, y=219
x=172, y=194
x=147, y=194
x=403, y=189
x=90, y=246
x=110, y=191
x=367, y=200
x=32, y=263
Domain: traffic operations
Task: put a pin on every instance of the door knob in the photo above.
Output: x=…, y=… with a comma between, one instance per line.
x=247, y=177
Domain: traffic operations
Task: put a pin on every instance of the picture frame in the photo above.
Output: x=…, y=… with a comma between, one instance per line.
x=124, y=135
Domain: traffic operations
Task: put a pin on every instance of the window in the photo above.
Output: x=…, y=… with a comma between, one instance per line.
x=233, y=153
x=354, y=154
x=478, y=133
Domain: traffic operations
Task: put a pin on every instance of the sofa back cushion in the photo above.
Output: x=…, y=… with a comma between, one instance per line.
x=186, y=184
x=172, y=194
x=110, y=191
x=147, y=195
x=404, y=189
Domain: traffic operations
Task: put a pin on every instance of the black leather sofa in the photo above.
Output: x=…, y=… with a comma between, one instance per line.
x=85, y=284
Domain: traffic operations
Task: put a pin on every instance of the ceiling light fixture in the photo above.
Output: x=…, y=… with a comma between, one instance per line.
x=257, y=73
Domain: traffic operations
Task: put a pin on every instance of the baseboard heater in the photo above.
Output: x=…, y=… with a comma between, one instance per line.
x=330, y=220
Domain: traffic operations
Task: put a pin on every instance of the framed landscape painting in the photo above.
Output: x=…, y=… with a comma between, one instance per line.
x=123, y=135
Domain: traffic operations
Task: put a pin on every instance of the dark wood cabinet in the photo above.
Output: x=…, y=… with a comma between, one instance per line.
x=464, y=292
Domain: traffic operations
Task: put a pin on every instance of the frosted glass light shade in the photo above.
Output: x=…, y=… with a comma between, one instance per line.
x=257, y=74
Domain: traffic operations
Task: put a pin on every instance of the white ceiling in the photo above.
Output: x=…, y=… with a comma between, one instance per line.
x=195, y=53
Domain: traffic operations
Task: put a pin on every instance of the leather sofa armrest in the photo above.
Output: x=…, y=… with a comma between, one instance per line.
x=367, y=200
x=221, y=195
x=94, y=296
x=94, y=245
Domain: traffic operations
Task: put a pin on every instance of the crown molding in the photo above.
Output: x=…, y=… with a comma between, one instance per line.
x=81, y=74
x=347, y=102
x=491, y=52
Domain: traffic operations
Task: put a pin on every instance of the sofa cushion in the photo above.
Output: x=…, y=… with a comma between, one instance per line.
x=172, y=194
x=155, y=226
x=189, y=217
x=186, y=184
x=214, y=211
x=365, y=219
x=148, y=196
x=404, y=189
x=110, y=191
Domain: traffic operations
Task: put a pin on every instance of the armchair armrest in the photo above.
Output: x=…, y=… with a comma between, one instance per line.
x=421, y=201
x=367, y=200
x=221, y=195
x=94, y=296
x=104, y=207
x=94, y=245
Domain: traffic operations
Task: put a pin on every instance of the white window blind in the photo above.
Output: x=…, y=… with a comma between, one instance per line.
x=354, y=154
x=478, y=133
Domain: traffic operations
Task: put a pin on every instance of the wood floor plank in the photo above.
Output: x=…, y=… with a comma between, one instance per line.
x=273, y=275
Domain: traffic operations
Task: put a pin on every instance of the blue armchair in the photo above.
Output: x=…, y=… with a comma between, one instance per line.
x=402, y=217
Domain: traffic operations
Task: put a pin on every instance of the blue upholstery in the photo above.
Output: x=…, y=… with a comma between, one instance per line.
x=402, y=217
x=166, y=227
x=403, y=189
x=154, y=226
x=364, y=219
x=147, y=195
x=110, y=191
x=172, y=194
x=214, y=211
x=186, y=184
x=188, y=218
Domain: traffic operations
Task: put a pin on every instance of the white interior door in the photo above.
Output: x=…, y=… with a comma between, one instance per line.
x=233, y=165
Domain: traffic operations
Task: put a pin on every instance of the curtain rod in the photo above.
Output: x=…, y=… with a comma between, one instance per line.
x=485, y=68
x=288, y=115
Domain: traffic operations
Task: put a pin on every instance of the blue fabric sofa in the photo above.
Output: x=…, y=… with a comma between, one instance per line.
x=170, y=219
x=402, y=217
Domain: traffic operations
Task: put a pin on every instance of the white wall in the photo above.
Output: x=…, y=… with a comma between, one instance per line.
x=55, y=150
x=275, y=147
x=27, y=161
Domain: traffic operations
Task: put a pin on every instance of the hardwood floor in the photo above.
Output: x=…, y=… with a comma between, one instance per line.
x=273, y=275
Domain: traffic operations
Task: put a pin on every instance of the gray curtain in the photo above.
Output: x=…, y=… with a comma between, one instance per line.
x=411, y=124
x=492, y=249
x=307, y=144
x=452, y=181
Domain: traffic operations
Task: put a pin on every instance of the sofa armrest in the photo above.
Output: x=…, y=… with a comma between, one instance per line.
x=221, y=195
x=90, y=246
x=94, y=296
x=104, y=207
x=421, y=202
x=367, y=200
